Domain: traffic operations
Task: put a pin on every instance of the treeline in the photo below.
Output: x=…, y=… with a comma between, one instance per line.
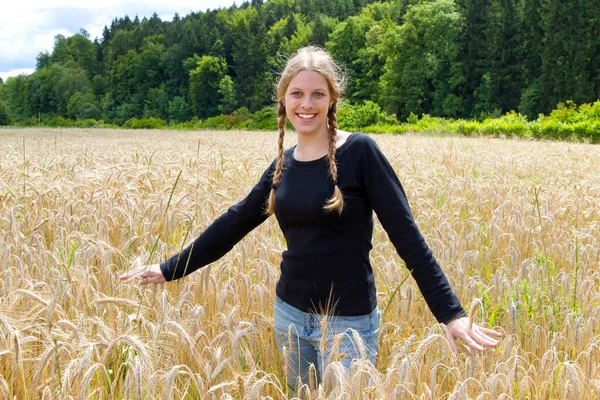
x=442, y=58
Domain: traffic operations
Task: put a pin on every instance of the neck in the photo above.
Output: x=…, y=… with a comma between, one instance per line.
x=314, y=143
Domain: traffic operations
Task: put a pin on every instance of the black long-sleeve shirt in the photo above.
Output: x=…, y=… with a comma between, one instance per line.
x=327, y=260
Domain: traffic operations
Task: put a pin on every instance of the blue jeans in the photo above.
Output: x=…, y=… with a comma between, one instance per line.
x=315, y=339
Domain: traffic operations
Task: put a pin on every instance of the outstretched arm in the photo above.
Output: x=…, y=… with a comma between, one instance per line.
x=220, y=237
x=388, y=200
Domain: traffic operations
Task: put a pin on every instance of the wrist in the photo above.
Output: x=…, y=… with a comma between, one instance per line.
x=460, y=314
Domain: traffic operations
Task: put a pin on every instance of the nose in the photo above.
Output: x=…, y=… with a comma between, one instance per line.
x=306, y=102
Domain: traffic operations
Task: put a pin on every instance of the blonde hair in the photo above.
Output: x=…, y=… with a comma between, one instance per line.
x=311, y=58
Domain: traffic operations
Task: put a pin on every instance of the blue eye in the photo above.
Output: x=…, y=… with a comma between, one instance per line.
x=319, y=94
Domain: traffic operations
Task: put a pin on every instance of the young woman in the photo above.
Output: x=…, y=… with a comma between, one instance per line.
x=323, y=192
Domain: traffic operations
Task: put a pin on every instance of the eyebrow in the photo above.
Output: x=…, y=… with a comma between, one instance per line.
x=316, y=90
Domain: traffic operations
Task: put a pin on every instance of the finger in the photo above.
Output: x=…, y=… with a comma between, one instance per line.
x=129, y=275
x=469, y=337
x=486, y=332
x=491, y=332
x=451, y=341
x=452, y=344
x=146, y=273
x=482, y=338
x=143, y=272
x=125, y=275
x=150, y=279
x=472, y=343
x=133, y=272
x=486, y=341
x=134, y=278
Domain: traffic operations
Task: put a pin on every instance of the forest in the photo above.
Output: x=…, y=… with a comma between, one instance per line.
x=469, y=59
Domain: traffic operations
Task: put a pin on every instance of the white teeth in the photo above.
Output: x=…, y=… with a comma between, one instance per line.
x=306, y=115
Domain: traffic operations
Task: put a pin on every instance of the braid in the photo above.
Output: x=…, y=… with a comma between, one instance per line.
x=279, y=167
x=336, y=201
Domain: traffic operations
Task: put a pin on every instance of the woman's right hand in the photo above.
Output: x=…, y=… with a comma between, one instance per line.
x=145, y=274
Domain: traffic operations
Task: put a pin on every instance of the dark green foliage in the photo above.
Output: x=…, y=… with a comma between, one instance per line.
x=5, y=118
x=227, y=95
x=571, y=52
x=204, y=85
x=500, y=86
x=5, y=114
x=83, y=106
x=345, y=43
x=443, y=58
x=531, y=101
x=125, y=112
x=157, y=104
x=422, y=71
x=17, y=94
x=249, y=57
x=42, y=60
x=321, y=27
x=179, y=110
x=530, y=39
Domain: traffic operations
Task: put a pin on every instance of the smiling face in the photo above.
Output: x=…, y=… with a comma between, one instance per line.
x=307, y=101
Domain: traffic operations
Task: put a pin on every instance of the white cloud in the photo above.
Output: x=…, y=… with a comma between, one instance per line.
x=28, y=27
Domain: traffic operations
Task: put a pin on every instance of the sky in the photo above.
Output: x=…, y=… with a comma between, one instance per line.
x=28, y=27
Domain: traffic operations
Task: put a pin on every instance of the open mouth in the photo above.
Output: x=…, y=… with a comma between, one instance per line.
x=306, y=116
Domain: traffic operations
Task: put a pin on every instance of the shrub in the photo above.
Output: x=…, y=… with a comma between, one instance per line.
x=218, y=122
x=549, y=128
x=92, y=123
x=592, y=111
x=412, y=118
x=58, y=122
x=429, y=124
x=468, y=128
x=194, y=123
x=240, y=117
x=510, y=123
x=264, y=119
x=33, y=121
x=403, y=128
x=145, y=123
x=566, y=112
x=566, y=122
x=352, y=117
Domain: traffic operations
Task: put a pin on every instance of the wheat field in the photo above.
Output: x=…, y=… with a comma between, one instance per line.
x=514, y=224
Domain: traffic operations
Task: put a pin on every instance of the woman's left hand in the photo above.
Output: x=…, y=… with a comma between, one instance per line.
x=474, y=336
x=146, y=274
